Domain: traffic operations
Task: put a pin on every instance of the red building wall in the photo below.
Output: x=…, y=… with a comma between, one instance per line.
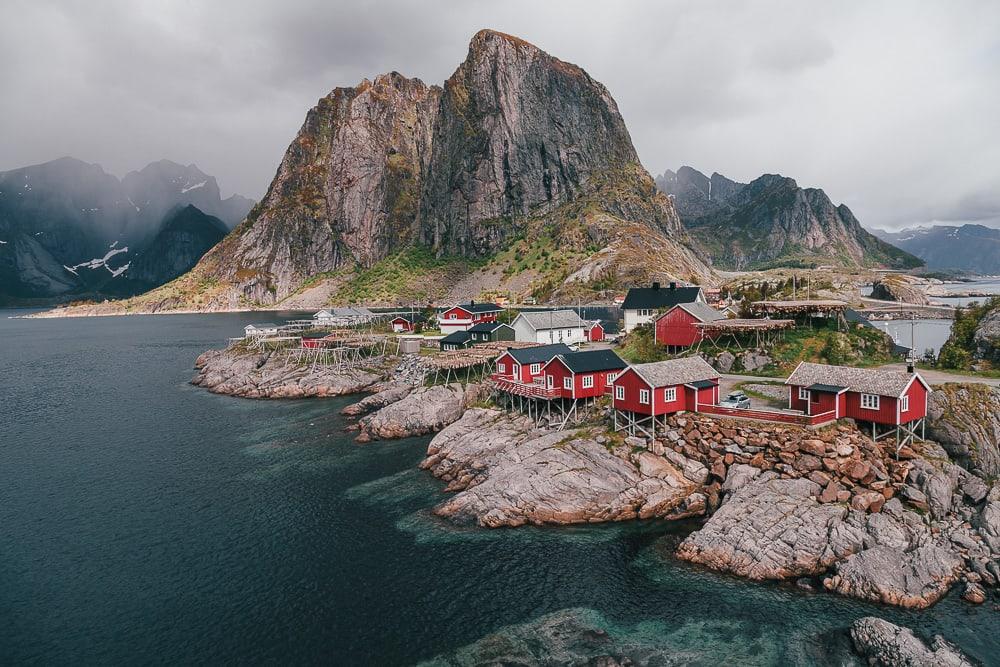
x=658, y=405
x=676, y=327
x=918, y=403
x=558, y=370
x=595, y=334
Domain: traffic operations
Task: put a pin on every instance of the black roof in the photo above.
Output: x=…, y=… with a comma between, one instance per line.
x=487, y=327
x=831, y=388
x=539, y=354
x=702, y=384
x=593, y=360
x=659, y=297
x=457, y=337
x=474, y=307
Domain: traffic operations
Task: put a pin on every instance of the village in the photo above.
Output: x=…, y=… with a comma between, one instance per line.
x=558, y=368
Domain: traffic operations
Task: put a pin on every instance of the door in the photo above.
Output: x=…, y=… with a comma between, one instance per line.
x=550, y=382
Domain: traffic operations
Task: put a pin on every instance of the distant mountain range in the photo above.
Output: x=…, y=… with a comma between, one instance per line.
x=966, y=248
x=70, y=230
x=771, y=222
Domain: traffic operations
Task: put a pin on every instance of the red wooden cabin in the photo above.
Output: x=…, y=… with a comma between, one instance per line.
x=594, y=332
x=464, y=316
x=524, y=365
x=644, y=393
x=582, y=374
x=676, y=328
x=401, y=324
x=880, y=397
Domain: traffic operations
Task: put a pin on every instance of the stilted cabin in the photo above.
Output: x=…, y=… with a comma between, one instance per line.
x=882, y=398
x=491, y=332
x=583, y=374
x=594, y=332
x=400, y=324
x=464, y=316
x=642, y=303
x=645, y=394
x=524, y=365
x=676, y=328
x=549, y=326
x=458, y=340
x=266, y=329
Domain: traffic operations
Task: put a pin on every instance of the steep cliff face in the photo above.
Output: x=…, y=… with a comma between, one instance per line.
x=519, y=134
x=771, y=221
x=517, y=147
x=346, y=191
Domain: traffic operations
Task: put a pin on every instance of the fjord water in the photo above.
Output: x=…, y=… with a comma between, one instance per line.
x=143, y=520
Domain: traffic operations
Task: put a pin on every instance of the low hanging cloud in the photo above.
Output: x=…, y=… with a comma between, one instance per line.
x=890, y=107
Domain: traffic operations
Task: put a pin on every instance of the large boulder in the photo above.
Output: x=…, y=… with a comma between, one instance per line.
x=424, y=410
x=377, y=401
x=988, y=521
x=774, y=529
x=913, y=579
x=965, y=419
x=887, y=645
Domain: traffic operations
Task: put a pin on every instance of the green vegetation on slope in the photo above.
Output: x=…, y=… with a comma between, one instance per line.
x=960, y=351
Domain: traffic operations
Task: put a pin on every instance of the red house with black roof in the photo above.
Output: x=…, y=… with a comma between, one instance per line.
x=464, y=316
x=594, y=331
x=897, y=399
x=642, y=303
x=644, y=394
x=676, y=328
x=523, y=365
x=582, y=374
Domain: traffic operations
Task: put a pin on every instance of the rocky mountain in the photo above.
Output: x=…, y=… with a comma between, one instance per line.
x=517, y=146
x=69, y=229
x=187, y=234
x=969, y=248
x=771, y=221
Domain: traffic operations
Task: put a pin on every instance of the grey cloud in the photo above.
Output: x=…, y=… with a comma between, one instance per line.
x=890, y=107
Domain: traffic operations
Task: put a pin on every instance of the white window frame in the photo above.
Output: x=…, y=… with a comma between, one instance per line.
x=452, y=316
x=535, y=369
x=803, y=394
x=501, y=367
x=670, y=394
x=619, y=392
x=871, y=401
x=610, y=378
x=644, y=396
x=588, y=381
x=516, y=371
x=550, y=381
x=568, y=382
x=904, y=403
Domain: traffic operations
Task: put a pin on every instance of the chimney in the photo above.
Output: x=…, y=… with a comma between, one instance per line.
x=909, y=367
x=656, y=285
x=673, y=285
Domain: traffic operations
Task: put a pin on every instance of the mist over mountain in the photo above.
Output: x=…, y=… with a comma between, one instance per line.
x=68, y=228
x=771, y=221
x=967, y=248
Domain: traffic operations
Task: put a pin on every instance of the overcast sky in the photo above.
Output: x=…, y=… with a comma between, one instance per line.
x=892, y=107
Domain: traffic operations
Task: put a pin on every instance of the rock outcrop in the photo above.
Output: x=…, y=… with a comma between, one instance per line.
x=380, y=399
x=774, y=529
x=901, y=288
x=423, y=410
x=771, y=221
x=887, y=645
x=509, y=474
x=270, y=375
x=965, y=420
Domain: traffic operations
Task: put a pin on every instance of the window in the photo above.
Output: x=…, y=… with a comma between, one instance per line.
x=567, y=383
x=452, y=316
x=588, y=381
x=869, y=401
x=644, y=396
x=501, y=367
x=803, y=394
x=610, y=378
x=619, y=392
x=645, y=312
x=904, y=404
x=536, y=369
x=670, y=394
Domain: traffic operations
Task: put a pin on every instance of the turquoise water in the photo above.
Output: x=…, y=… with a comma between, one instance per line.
x=147, y=521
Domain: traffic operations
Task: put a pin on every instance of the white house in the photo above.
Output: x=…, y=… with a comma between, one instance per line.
x=268, y=329
x=642, y=303
x=338, y=317
x=550, y=326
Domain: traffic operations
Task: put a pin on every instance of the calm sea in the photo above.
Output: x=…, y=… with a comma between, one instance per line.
x=143, y=520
